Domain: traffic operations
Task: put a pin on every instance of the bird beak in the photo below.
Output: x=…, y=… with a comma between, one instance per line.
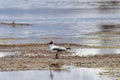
x=48, y=43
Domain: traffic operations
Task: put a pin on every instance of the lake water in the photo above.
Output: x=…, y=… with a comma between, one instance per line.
x=69, y=73
x=71, y=20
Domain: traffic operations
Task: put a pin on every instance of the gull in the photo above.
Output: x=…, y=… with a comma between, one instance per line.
x=57, y=48
x=53, y=47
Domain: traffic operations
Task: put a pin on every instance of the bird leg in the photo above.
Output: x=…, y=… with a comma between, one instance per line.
x=56, y=56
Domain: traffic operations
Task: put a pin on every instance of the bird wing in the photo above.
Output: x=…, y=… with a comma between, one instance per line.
x=58, y=48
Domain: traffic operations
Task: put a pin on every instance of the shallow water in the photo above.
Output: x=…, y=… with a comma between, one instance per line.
x=3, y=54
x=89, y=51
x=70, y=74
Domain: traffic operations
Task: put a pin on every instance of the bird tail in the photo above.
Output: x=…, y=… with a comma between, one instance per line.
x=68, y=48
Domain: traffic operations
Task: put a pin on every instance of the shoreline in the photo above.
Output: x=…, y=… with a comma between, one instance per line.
x=18, y=63
x=39, y=57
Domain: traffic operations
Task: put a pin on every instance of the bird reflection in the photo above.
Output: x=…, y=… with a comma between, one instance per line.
x=51, y=75
x=57, y=71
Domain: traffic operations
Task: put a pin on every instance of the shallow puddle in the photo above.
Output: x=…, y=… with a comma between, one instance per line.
x=69, y=74
x=92, y=51
x=3, y=54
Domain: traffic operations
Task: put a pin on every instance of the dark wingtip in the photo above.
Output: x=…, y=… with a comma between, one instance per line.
x=68, y=48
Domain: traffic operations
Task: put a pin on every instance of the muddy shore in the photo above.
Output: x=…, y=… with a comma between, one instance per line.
x=39, y=57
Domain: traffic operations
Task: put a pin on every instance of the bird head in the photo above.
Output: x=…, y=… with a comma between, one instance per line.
x=51, y=42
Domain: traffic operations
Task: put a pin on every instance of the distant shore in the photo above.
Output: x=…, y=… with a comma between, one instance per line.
x=39, y=57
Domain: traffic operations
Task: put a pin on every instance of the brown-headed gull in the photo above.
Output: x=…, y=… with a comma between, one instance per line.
x=56, y=48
